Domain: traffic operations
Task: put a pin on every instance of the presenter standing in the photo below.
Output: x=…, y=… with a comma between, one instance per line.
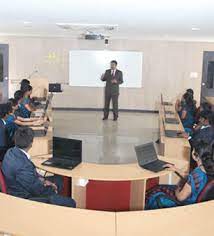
x=113, y=78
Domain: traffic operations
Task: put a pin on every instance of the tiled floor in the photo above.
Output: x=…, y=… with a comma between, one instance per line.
x=107, y=141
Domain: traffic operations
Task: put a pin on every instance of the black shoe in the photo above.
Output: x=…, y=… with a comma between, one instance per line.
x=115, y=118
x=105, y=118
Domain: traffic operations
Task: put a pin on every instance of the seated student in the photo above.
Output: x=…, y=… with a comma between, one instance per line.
x=13, y=121
x=4, y=109
x=188, y=190
x=178, y=102
x=22, y=178
x=205, y=106
x=204, y=130
x=18, y=96
x=24, y=83
x=186, y=111
x=26, y=102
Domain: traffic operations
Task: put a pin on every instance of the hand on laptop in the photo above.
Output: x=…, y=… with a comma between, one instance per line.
x=49, y=183
x=170, y=167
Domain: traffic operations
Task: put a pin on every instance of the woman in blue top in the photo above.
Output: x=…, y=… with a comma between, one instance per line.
x=13, y=121
x=25, y=106
x=190, y=186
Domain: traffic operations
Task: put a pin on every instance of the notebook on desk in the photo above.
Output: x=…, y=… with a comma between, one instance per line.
x=67, y=153
x=148, y=159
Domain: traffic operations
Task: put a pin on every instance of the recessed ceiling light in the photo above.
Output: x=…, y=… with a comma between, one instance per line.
x=27, y=24
x=195, y=29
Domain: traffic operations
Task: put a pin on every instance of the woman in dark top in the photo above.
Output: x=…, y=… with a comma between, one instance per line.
x=186, y=111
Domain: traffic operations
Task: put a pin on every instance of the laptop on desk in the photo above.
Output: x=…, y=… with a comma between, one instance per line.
x=41, y=132
x=171, y=133
x=169, y=120
x=165, y=103
x=67, y=153
x=148, y=159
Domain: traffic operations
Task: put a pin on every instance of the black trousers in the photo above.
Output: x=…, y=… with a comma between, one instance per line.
x=108, y=98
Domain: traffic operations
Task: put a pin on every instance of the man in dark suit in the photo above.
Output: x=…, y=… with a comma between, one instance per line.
x=113, y=78
x=22, y=178
x=4, y=110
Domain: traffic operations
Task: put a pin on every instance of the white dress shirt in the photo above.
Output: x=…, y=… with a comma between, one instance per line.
x=28, y=156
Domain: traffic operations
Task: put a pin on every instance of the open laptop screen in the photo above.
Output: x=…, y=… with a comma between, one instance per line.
x=146, y=153
x=67, y=148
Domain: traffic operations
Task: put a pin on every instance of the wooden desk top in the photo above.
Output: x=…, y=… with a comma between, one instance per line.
x=118, y=172
x=192, y=220
x=28, y=218
x=24, y=217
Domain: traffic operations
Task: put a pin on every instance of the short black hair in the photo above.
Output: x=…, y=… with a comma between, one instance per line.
x=24, y=82
x=206, y=106
x=12, y=102
x=27, y=88
x=18, y=95
x=114, y=61
x=4, y=110
x=205, y=114
x=24, y=137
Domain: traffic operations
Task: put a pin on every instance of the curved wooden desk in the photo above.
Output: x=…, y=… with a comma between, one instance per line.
x=20, y=217
x=192, y=220
x=121, y=172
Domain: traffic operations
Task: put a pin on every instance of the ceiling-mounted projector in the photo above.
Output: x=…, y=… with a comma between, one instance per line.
x=93, y=36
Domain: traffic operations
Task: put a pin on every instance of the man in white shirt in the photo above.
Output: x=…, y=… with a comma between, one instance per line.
x=21, y=176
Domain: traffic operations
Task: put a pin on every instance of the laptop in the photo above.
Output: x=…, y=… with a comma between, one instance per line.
x=168, y=112
x=148, y=159
x=67, y=153
x=172, y=133
x=169, y=120
x=165, y=103
x=45, y=107
x=41, y=132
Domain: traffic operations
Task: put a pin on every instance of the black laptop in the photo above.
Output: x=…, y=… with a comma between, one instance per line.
x=168, y=112
x=67, y=153
x=148, y=159
x=170, y=120
x=173, y=133
x=165, y=103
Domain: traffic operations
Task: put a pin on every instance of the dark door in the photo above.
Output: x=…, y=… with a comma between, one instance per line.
x=4, y=57
x=207, y=86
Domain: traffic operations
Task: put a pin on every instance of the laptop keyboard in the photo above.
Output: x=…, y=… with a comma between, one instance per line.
x=60, y=163
x=155, y=166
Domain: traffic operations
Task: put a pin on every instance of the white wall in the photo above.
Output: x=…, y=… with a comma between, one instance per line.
x=166, y=68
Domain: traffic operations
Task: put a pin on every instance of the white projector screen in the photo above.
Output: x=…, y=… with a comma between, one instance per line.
x=87, y=66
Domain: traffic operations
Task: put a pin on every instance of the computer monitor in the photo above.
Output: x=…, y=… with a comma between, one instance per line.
x=55, y=88
x=67, y=149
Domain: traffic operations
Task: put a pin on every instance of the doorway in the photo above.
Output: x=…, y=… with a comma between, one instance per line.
x=207, y=85
x=4, y=61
